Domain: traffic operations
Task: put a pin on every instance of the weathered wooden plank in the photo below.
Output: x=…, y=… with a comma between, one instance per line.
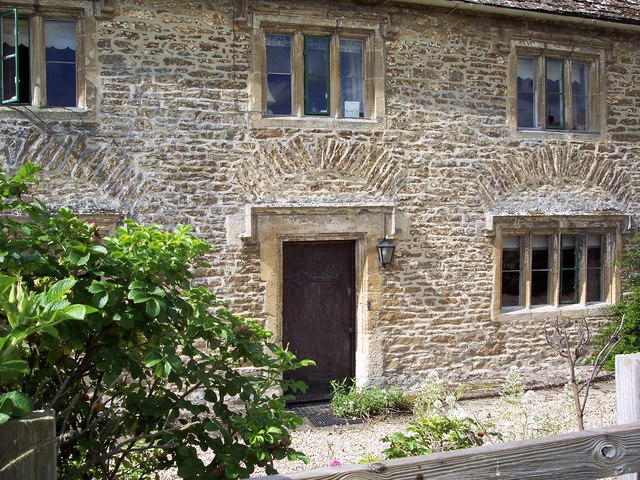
x=628, y=394
x=28, y=448
x=590, y=454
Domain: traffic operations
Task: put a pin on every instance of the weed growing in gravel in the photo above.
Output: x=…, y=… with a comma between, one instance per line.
x=440, y=425
x=351, y=401
x=517, y=415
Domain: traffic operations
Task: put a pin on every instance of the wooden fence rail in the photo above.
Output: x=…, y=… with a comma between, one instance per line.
x=590, y=454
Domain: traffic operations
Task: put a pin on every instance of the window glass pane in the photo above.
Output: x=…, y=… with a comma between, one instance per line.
x=526, y=92
x=569, y=269
x=555, y=93
x=580, y=95
x=352, y=77
x=540, y=270
x=511, y=271
x=316, y=75
x=279, y=91
x=594, y=268
x=60, y=58
x=8, y=26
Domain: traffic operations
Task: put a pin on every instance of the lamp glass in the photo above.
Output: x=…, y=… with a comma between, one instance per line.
x=385, y=252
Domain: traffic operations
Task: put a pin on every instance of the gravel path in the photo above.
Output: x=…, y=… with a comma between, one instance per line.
x=349, y=443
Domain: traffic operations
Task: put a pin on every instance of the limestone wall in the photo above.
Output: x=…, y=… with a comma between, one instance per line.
x=171, y=140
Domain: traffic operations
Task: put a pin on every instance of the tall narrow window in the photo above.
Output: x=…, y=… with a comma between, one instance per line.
x=568, y=269
x=60, y=59
x=279, y=84
x=580, y=95
x=594, y=268
x=540, y=270
x=16, y=73
x=511, y=276
x=352, y=78
x=316, y=75
x=526, y=93
x=555, y=93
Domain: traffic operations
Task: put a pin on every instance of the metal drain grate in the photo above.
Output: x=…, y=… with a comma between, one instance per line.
x=326, y=419
x=320, y=415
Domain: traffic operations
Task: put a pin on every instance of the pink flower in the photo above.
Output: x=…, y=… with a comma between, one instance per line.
x=335, y=463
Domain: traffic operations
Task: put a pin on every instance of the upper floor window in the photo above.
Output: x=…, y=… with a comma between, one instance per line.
x=321, y=72
x=556, y=85
x=39, y=60
x=554, y=93
x=329, y=66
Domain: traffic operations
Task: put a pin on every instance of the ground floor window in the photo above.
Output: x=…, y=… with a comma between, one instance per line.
x=548, y=265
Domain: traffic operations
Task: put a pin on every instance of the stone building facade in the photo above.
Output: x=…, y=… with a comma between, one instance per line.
x=502, y=213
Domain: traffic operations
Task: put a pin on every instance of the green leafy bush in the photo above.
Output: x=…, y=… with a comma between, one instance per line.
x=142, y=368
x=434, y=434
x=628, y=307
x=440, y=424
x=350, y=401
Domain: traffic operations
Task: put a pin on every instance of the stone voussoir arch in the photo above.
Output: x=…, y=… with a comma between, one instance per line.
x=568, y=166
x=106, y=168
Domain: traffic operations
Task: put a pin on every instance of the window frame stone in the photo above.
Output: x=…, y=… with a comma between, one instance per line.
x=611, y=227
x=570, y=50
x=84, y=15
x=305, y=23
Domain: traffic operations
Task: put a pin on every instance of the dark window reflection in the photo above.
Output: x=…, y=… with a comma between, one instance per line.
x=569, y=269
x=526, y=93
x=60, y=60
x=595, y=292
x=511, y=274
x=279, y=75
x=316, y=75
x=580, y=95
x=9, y=64
x=555, y=93
x=540, y=268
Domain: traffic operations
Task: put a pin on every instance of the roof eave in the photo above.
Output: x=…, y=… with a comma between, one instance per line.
x=622, y=24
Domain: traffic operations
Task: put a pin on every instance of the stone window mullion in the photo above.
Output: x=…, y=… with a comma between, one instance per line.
x=38, y=79
x=335, y=98
x=297, y=68
x=568, y=95
x=526, y=270
x=582, y=269
x=540, y=92
x=555, y=268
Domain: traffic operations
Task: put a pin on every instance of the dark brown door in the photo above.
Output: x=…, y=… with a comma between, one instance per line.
x=319, y=312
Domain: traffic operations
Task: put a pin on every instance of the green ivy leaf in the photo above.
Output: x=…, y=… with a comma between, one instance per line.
x=14, y=367
x=79, y=258
x=153, y=307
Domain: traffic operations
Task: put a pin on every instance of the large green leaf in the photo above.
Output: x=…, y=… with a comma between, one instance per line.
x=14, y=404
x=14, y=367
x=6, y=282
x=74, y=312
x=59, y=289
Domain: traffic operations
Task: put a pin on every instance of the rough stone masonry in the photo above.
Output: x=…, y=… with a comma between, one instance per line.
x=173, y=132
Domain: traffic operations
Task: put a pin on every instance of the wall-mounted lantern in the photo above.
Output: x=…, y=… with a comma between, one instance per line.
x=385, y=252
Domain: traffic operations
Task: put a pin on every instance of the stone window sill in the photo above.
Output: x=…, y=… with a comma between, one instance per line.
x=549, y=311
x=46, y=114
x=556, y=135
x=327, y=123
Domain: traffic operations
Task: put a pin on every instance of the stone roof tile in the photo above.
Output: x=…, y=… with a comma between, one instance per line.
x=624, y=11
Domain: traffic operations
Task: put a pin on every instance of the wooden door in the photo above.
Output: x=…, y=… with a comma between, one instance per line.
x=319, y=312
